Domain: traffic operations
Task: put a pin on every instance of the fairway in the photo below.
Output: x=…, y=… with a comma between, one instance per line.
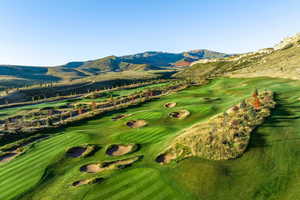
x=270, y=168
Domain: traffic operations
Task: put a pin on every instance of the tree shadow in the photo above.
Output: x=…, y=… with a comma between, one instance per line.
x=280, y=117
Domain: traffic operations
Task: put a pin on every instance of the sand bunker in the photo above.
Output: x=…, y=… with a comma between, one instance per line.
x=119, y=150
x=165, y=158
x=92, y=168
x=181, y=114
x=87, y=181
x=79, y=151
x=170, y=105
x=99, y=167
x=75, y=152
x=9, y=156
x=119, y=117
x=136, y=123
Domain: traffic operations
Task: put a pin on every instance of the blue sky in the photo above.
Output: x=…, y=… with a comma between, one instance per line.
x=53, y=32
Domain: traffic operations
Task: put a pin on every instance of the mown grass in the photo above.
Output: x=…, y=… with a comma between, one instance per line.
x=268, y=170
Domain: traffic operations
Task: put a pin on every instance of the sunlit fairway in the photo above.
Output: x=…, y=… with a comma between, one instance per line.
x=270, y=168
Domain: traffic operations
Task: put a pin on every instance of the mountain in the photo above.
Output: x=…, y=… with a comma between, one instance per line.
x=17, y=75
x=150, y=60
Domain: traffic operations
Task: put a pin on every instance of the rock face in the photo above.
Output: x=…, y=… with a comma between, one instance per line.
x=225, y=136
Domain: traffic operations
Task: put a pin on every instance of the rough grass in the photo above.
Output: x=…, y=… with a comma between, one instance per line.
x=8, y=112
x=268, y=170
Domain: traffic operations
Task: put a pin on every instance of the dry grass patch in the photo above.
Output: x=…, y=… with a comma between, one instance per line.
x=225, y=136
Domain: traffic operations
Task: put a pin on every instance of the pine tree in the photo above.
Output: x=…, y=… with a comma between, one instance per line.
x=243, y=104
x=256, y=103
x=255, y=93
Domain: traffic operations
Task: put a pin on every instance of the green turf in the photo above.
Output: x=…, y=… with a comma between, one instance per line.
x=270, y=168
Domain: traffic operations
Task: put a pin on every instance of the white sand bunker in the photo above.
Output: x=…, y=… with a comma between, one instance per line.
x=120, y=149
x=136, y=123
x=118, y=164
x=92, y=168
x=9, y=156
x=170, y=105
x=87, y=181
x=165, y=158
x=181, y=114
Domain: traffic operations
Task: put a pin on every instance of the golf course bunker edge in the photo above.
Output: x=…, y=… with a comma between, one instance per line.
x=121, y=149
x=181, y=114
x=136, y=123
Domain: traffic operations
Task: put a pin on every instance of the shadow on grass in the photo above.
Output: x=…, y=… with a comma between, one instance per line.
x=280, y=117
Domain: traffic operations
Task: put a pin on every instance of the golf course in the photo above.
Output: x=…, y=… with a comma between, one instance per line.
x=268, y=169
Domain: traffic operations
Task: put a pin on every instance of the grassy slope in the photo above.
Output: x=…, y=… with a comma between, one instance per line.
x=83, y=85
x=5, y=113
x=268, y=170
x=278, y=64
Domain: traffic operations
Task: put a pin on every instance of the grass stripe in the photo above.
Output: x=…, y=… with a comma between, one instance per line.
x=36, y=161
x=113, y=188
x=155, y=189
x=34, y=154
x=138, y=188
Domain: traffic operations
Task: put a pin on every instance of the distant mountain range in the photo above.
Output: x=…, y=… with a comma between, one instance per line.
x=151, y=60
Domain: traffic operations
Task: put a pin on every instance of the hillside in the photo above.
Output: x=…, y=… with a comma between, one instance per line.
x=17, y=76
x=282, y=61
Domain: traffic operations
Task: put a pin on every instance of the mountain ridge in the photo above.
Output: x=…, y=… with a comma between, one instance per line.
x=145, y=61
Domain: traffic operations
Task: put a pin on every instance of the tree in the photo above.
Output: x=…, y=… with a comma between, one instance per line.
x=79, y=110
x=5, y=126
x=48, y=121
x=243, y=104
x=255, y=93
x=93, y=106
x=256, y=103
x=112, y=100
